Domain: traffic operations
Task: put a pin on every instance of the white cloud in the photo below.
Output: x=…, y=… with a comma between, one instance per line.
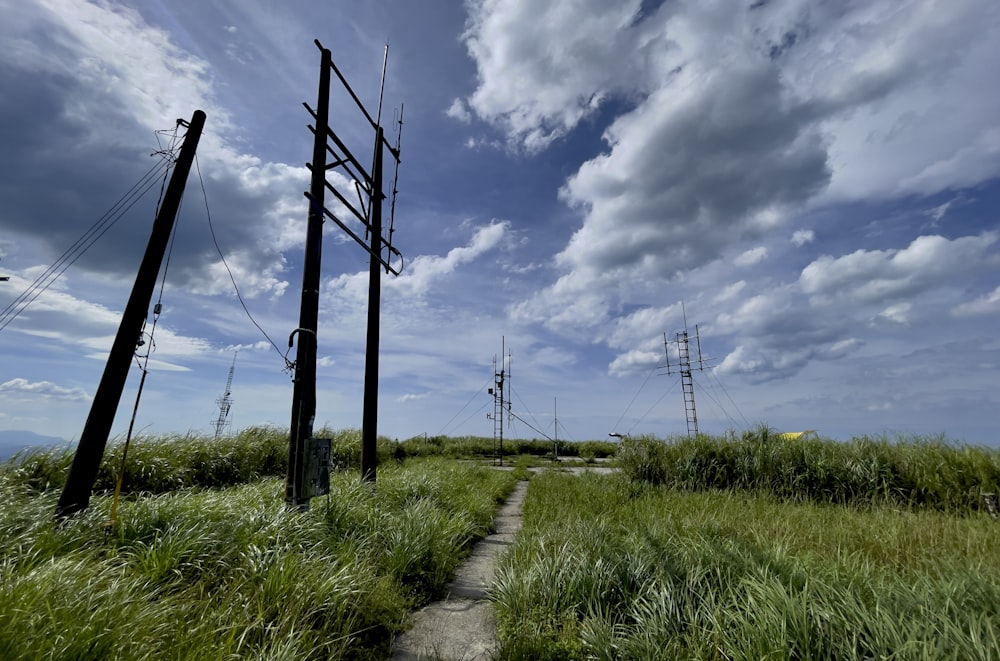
x=802, y=237
x=898, y=313
x=632, y=362
x=424, y=271
x=458, y=110
x=751, y=256
x=544, y=67
x=22, y=388
x=734, y=119
x=876, y=275
x=983, y=305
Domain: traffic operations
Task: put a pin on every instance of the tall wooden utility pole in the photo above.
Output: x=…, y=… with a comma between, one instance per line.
x=304, y=377
x=94, y=438
x=369, y=417
x=302, y=448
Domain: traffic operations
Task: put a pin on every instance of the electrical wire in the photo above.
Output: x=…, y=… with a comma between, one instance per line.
x=81, y=245
x=284, y=356
x=655, y=404
x=627, y=408
x=525, y=406
x=717, y=380
x=474, y=395
x=529, y=425
x=472, y=415
x=722, y=409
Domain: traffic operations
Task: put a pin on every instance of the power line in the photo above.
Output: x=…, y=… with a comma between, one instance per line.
x=625, y=412
x=717, y=380
x=655, y=404
x=529, y=425
x=81, y=245
x=211, y=228
x=441, y=433
x=534, y=419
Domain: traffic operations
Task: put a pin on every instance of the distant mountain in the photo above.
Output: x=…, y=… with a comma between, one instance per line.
x=13, y=440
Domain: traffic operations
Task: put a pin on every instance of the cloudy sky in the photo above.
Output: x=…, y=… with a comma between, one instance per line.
x=816, y=181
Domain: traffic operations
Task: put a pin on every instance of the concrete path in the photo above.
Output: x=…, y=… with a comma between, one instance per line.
x=461, y=627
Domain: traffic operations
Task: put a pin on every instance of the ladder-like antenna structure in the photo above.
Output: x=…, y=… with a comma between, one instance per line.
x=225, y=403
x=368, y=184
x=501, y=401
x=684, y=366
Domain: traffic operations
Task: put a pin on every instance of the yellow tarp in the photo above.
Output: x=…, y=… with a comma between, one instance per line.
x=796, y=435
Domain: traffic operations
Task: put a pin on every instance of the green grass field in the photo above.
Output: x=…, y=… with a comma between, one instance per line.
x=610, y=568
x=739, y=547
x=228, y=574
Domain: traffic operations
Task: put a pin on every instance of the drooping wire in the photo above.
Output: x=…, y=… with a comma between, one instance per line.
x=654, y=405
x=525, y=406
x=636, y=395
x=530, y=426
x=145, y=183
x=717, y=380
x=473, y=414
x=284, y=356
x=707, y=391
x=474, y=395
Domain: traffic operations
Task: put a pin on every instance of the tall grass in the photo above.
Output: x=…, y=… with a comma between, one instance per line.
x=920, y=473
x=472, y=447
x=228, y=573
x=158, y=464
x=607, y=569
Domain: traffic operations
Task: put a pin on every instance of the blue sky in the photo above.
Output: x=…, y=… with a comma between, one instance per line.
x=816, y=181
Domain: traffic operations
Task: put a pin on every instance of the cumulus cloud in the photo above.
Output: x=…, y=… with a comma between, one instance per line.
x=458, y=110
x=877, y=275
x=424, y=271
x=544, y=67
x=751, y=256
x=106, y=82
x=730, y=120
x=802, y=237
x=22, y=388
x=983, y=305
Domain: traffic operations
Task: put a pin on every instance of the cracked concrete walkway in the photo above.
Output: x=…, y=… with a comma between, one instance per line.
x=461, y=626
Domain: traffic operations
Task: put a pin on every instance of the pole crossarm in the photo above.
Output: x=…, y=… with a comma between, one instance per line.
x=392, y=249
x=368, y=185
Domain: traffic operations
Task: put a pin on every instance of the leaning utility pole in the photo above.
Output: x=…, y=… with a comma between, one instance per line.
x=94, y=438
x=302, y=448
x=684, y=367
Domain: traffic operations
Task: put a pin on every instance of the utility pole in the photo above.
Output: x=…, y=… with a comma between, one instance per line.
x=684, y=368
x=305, y=453
x=369, y=416
x=94, y=438
x=501, y=401
x=304, y=374
x=555, y=428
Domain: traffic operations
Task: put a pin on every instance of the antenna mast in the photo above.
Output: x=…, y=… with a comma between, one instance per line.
x=684, y=367
x=501, y=401
x=225, y=402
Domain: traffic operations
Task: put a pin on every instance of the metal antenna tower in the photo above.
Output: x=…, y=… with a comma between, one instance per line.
x=684, y=366
x=225, y=402
x=501, y=401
